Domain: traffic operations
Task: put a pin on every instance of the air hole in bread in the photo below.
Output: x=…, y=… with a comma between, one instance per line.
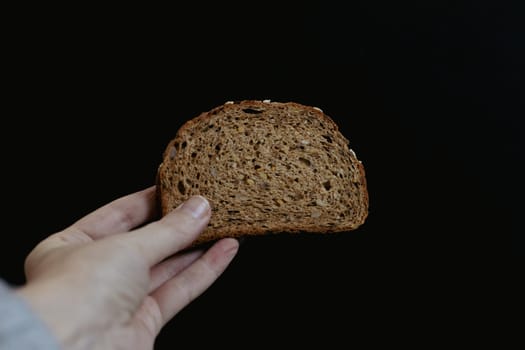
x=305, y=161
x=327, y=138
x=194, y=154
x=184, y=144
x=181, y=188
x=251, y=111
x=327, y=186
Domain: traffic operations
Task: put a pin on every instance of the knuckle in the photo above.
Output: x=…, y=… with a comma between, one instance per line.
x=152, y=316
x=183, y=224
x=124, y=218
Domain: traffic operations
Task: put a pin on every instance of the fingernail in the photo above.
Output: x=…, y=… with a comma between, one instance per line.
x=197, y=206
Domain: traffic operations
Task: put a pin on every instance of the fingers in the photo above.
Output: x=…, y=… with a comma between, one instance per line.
x=168, y=269
x=173, y=232
x=120, y=215
x=178, y=292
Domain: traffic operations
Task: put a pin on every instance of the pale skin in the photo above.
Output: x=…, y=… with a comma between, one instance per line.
x=111, y=281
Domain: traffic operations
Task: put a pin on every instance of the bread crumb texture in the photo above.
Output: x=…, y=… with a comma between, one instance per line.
x=265, y=167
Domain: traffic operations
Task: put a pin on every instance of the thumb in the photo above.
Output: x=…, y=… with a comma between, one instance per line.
x=173, y=232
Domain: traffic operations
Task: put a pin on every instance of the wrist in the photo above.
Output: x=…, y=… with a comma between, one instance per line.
x=56, y=311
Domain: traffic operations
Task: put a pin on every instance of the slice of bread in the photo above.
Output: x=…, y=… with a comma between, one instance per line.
x=265, y=167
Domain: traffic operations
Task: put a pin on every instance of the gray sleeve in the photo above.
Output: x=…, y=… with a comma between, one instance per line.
x=20, y=328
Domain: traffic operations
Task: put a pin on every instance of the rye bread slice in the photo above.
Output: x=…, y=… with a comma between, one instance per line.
x=265, y=167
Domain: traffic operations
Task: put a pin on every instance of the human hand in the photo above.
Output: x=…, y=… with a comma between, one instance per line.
x=103, y=283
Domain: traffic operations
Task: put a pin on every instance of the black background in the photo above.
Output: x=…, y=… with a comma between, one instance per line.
x=429, y=93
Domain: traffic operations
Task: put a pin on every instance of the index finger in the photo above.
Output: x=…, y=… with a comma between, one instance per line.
x=121, y=215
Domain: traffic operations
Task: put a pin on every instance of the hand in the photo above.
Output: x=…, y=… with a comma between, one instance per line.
x=103, y=283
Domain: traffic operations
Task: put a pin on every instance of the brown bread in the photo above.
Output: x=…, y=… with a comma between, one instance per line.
x=265, y=167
